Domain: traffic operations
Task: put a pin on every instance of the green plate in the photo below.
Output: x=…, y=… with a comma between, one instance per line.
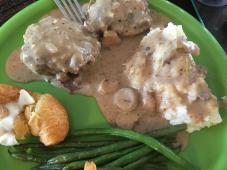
x=207, y=149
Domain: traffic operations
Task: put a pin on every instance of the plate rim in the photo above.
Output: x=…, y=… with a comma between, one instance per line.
x=12, y=23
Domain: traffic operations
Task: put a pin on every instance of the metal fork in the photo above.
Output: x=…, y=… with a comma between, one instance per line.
x=71, y=10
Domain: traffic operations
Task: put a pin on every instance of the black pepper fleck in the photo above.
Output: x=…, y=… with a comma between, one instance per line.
x=147, y=48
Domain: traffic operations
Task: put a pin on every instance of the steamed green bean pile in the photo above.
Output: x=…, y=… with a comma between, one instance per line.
x=110, y=149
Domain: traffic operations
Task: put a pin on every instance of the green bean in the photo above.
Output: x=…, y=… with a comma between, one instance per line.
x=38, y=152
x=48, y=167
x=35, y=150
x=167, y=131
x=158, y=159
x=69, y=157
x=139, y=162
x=147, y=140
x=63, y=145
x=153, y=158
x=54, y=152
x=101, y=159
x=154, y=167
x=94, y=138
x=131, y=157
x=82, y=144
x=33, y=158
x=111, y=168
x=41, y=151
x=23, y=147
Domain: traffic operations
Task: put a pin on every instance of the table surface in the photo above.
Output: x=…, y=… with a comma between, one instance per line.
x=214, y=18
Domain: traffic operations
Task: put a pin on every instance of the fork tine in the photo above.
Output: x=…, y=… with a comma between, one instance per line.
x=79, y=9
x=75, y=11
x=69, y=10
x=62, y=9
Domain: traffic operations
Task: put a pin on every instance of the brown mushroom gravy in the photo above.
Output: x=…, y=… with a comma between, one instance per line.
x=122, y=105
x=17, y=70
x=106, y=82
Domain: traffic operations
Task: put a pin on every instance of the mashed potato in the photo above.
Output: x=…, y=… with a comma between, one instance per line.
x=164, y=66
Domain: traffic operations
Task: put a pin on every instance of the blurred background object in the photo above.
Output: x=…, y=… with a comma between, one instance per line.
x=214, y=2
x=10, y=7
x=213, y=18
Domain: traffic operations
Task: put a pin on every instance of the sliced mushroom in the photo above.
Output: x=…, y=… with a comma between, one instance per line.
x=127, y=120
x=126, y=99
x=149, y=102
x=108, y=86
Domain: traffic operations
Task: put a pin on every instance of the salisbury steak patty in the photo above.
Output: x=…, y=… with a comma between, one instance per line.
x=57, y=49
